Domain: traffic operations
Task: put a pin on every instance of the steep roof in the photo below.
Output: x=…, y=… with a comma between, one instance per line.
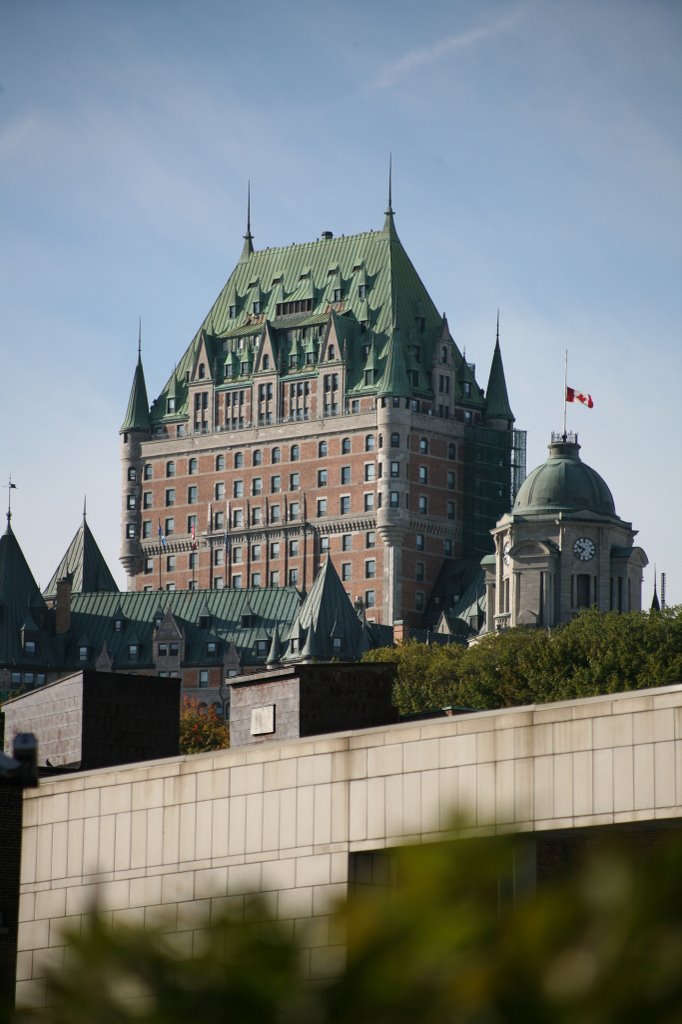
x=137, y=414
x=497, y=405
x=84, y=563
x=21, y=604
x=367, y=280
x=326, y=614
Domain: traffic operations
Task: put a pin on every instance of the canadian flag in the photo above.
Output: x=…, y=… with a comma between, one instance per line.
x=579, y=396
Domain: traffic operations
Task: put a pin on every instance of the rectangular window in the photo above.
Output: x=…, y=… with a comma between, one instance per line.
x=147, y=528
x=451, y=480
x=293, y=548
x=370, y=568
x=294, y=510
x=423, y=504
x=451, y=510
x=370, y=599
x=219, y=556
x=238, y=489
x=203, y=677
x=322, y=478
x=274, y=549
x=345, y=571
x=219, y=491
x=169, y=527
x=191, y=523
x=132, y=501
x=274, y=577
x=321, y=507
x=423, y=475
x=276, y=485
x=193, y=560
x=255, y=551
x=257, y=485
x=147, y=499
x=447, y=548
x=147, y=474
x=170, y=496
x=237, y=582
x=419, y=571
x=370, y=472
x=192, y=495
x=133, y=651
x=219, y=520
x=238, y=517
x=345, y=475
x=294, y=481
x=346, y=541
x=170, y=563
x=293, y=577
x=394, y=499
x=324, y=544
x=255, y=579
x=419, y=541
x=148, y=566
x=369, y=501
x=256, y=515
x=237, y=554
x=419, y=601
x=395, y=470
x=344, y=504
x=370, y=539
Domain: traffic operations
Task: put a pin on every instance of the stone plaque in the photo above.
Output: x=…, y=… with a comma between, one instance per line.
x=262, y=720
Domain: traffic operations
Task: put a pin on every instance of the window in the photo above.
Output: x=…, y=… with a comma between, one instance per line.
x=219, y=490
x=218, y=520
x=321, y=506
x=276, y=455
x=293, y=548
x=345, y=475
x=133, y=651
x=232, y=312
x=322, y=478
x=419, y=571
x=274, y=549
x=452, y=451
x=330, y=352
x=203, y=677
x=419, y=542
x=238, y=489
x=324, y=545
x=266, y=362
x=193, y=560
x=238, y=517
x=275, y=485
x=322, y=449
x=193, y=467
x=395, y=470
x=344, y=504
x=170, y=563
x=451, y=510
x=130, y=531
x=293, y=577
x=219, y=462
x=451, y=480
x=294, y=481
x=170, y=496
x=294, y=510
x=258, y=457
x=170, y=469
x=423, y=475
x=218, y=556
x=394, y=499
x=132, y=473
x=237, y=582
x=447, y=548
x=192, y=495
x=345, y=446
x=370, y=472
x=147, y=528
x=147, y=471
x=345, y=571
x=370, y=539
x=467, y=415
x=370, y=568
x=423, y=446
x=147, y=499
x=255, y=579
x=191, y=523
x=148, y=566
x=395, y=440
x=369, y=443
x=443, y=354
x=370, y=599
x=131, y=502
x=423, y=504
x=257, y=485
x=295, y=453
x=238, y=460
x=419, y=601
x=582, y=590
x=169, y=525
x=256, y=308
x=274, y=578
x=256, y=515
x=369, y=501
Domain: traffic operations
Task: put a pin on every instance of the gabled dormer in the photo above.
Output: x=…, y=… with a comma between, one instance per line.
x=202, y=369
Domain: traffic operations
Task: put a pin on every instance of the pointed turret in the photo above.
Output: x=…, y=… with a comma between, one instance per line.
x=394, y=380
x=655, y=603
x=19, y=598
x=325, y=616
x=85, y=563
x=137, y=415
x=248, y=237
x=496, y=398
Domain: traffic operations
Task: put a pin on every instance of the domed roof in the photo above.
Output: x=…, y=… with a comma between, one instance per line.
x=564, y=483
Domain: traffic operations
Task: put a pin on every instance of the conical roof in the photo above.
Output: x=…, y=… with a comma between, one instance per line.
x=497, y=405
x=327, y=611
x=19, y=594
x=85, y=563
x=137, y=414
x=564, y=483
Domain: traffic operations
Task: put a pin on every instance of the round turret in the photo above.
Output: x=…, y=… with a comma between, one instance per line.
x=564, y=483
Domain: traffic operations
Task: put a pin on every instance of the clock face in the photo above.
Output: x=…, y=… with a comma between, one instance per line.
x=505, y=551
x=584, y=549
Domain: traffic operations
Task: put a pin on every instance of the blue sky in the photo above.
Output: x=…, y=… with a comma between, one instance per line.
x=537, y=168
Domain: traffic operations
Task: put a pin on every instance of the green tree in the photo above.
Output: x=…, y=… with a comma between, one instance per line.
x=201, y=728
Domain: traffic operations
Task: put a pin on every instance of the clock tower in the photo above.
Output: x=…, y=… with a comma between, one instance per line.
x=561, y=548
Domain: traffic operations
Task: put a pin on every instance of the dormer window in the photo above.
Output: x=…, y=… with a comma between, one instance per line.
x=362, y=291
x=118, y=625
x=256, y=308
x=337, y=295
x=211, y=647
x=467, y=389
x=336, y=645
x=330, y=352
x=232, y=312
x=29, y=648
x=266, y=362
x=133, y=651
x=421, y=322
x=170, y=405
x=202, y=371
x=83, y=652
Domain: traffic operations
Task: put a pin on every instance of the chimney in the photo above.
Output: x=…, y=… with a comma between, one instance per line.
x=63, y=606
x=401, y=631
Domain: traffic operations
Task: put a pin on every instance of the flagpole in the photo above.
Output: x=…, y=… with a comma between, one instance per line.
x=565, y=386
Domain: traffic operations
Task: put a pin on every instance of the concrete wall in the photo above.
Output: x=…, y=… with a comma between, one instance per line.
x=185, y=836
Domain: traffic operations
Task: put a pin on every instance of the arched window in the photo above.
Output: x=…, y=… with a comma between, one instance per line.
x=276, y=455
x=295, y=453
x=369, y=443
x=322, y=449
x=220, y=462
x=258, y=457
x=423, y=446
x=170, y=469
x=202, y=371
x=238, y=460
x=330, y=352
x=266, y=362
x=345, y=446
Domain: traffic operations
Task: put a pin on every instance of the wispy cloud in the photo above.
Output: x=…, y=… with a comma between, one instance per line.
x=426, y=55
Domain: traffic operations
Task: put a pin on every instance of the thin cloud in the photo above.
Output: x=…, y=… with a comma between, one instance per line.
x=426, y=55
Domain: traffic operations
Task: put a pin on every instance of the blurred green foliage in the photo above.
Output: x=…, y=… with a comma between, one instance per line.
x=595, y=653
x=201, y=728
x=446, y=941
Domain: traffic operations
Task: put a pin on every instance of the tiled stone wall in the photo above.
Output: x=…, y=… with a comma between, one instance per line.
x=182, y=837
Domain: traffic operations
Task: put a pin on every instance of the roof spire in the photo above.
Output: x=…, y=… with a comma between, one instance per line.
x=496, y=397
x=139, y=340
x=497, y=336
x=10, y=487
x=137, y=414
x=85, y=506
x=389, y=226
x=248, y=237
x=655, y=603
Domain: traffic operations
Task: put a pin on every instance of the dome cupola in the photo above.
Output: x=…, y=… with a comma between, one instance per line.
x=564, y=483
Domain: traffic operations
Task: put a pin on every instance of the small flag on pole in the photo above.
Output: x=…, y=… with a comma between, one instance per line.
x=161, y=536
x=572, y=395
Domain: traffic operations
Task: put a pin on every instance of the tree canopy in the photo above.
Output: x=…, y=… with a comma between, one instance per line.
x=595, y=653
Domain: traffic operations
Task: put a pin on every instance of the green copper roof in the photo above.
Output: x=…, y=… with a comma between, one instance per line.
x=327, y=613
x=137, y=415
x=564, y=484
x=84, y=563
x=364, y=286
x=496, y=398
x=21, y=604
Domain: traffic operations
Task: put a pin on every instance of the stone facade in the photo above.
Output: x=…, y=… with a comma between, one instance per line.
x=177, y=839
